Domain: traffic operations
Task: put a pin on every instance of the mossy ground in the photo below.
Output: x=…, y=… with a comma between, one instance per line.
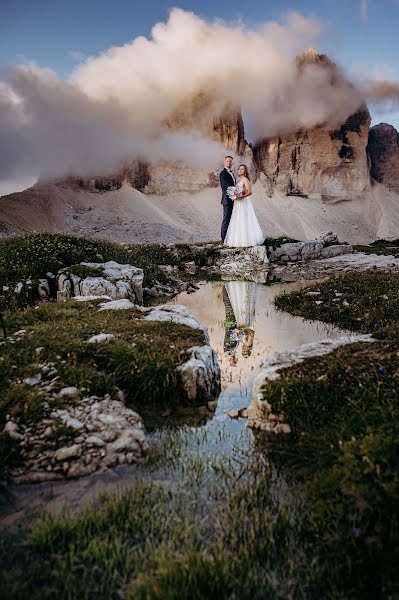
x=141, y=360
x=219, y=531
x=32, y=256
x=360, y=301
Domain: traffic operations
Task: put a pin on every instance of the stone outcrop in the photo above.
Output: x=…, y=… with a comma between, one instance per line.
x=220, y=122
x=174, y=313
x=318, y=162
x=200, y=374
x=102, y=433
x=241, y=263
x=383, y=148
x=311, y=250
x=334, y=265
x=256, y=263
x=117, y=281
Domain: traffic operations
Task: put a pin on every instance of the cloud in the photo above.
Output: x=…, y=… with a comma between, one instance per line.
x=52, y=126
x=115, y=106
x=364, y=11
x=77, y=55
x=382, y=89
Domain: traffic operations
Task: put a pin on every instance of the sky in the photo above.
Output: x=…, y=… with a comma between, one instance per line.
x=360, y=35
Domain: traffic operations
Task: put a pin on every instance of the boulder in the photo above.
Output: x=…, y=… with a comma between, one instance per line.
x=118, y=281
x=201, y=374
x=176, y=313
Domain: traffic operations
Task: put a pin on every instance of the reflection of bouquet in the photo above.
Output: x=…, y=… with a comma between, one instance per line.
x=233, y=192
x=237, y=335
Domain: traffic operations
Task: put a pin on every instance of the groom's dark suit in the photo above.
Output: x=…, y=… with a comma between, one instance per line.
x=226, y=180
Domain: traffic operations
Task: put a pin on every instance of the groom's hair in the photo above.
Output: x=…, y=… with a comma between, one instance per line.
x=228, y=156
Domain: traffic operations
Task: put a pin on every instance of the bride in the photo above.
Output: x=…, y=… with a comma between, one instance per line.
x=244, y=229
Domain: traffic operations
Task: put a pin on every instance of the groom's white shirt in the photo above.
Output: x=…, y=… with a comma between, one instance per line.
x=232, y=174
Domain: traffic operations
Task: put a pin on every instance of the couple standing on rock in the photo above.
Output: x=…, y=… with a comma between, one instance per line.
x=240, y=226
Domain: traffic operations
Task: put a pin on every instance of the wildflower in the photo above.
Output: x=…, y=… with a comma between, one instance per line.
x=356, y=532
x=381, y=369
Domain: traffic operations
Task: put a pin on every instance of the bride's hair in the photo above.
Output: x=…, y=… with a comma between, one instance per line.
x=246, y=170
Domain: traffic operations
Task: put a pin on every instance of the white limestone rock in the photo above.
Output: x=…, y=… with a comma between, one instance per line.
x=68, y=452
x=33, y=379
x=309, y=250
x=107, y=433
x=100, y=338
x=200, y=374
x=176, y=313
x=43, y=289
x=122, y=304
x=70, y=390
x=118, y=281
x=336, y=250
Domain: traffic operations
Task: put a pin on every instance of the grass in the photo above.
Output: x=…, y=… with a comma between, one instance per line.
x=344, y=454
x=202, y=539
x=365, y=302
x=343, y=411
x=380, y=247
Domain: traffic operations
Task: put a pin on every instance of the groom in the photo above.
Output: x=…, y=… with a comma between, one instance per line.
x=226, y=179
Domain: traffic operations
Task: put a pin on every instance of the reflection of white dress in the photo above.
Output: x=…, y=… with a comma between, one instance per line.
x=244, y=229
x=242, y=295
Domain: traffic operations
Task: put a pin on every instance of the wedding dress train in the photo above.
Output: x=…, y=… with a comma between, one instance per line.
x=244, y=229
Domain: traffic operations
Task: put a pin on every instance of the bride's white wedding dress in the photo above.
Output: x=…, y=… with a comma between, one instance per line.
x=244, y=229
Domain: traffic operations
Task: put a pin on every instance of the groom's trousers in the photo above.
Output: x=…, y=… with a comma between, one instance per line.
x=227, y=212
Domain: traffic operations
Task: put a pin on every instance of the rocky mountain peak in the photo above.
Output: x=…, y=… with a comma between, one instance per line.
x=383, y=148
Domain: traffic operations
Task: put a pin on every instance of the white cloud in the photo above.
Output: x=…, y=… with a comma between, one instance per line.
x=114, y=106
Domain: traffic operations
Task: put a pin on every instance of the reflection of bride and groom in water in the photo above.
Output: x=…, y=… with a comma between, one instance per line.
x=239, y=298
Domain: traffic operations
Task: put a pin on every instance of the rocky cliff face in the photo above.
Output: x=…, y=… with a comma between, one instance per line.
x=218, y=121
x=318, y=162
x=383, y=148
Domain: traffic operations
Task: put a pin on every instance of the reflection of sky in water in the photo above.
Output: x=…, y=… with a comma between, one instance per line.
x=252, y=304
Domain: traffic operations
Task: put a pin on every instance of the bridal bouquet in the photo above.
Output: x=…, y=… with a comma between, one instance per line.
x=233, y=192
